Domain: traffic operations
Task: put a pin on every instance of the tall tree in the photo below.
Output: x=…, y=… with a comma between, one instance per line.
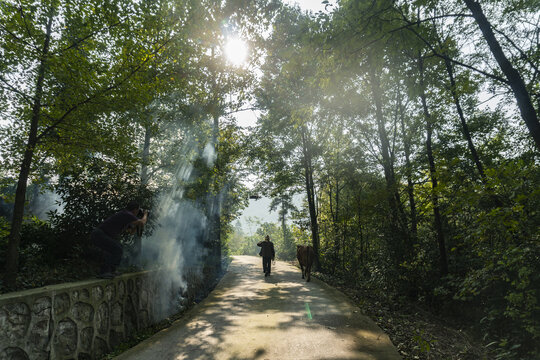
x=514, y=78
x=432, y=169
x=56, y=41
x=288, y=135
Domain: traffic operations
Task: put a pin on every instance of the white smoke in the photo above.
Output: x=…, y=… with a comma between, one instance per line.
x=44, y=203
x=209, y=154
x=177, y=242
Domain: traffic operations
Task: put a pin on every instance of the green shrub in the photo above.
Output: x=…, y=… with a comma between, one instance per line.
x=504, y=251
x=90, y=194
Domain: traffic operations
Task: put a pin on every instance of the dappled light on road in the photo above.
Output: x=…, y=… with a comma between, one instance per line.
x=249, y=316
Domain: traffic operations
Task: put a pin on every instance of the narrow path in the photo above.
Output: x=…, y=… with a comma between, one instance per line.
x=249, y=316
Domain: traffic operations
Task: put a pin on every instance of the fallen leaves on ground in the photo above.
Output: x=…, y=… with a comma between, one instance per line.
x=416, y=333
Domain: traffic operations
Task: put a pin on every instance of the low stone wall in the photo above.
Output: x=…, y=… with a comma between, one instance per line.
x=81, y=320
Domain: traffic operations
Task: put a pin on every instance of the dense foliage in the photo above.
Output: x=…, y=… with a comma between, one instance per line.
x=415, y=184
x=102, y=103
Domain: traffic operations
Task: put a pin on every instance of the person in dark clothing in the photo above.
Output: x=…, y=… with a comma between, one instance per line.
x=268, y=254
x=105, y=236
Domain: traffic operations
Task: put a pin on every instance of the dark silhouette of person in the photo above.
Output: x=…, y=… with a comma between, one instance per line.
x=268, y=254
x=106, y=236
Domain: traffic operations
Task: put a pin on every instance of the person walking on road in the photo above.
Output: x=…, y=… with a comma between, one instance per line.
x=268, y=254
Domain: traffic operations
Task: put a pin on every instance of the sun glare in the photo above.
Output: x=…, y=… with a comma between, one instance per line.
x=236, y=51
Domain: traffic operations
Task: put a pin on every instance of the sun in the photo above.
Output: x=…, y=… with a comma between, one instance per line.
x=236, y=51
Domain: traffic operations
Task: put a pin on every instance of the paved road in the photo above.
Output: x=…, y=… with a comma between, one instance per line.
x=249, y=316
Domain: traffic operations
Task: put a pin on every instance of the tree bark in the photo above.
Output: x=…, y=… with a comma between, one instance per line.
x=308, y=174
x=145, y=156
x=528, y=113
x=334, y=212
x=433, y=174
x=391, y=187
x=12, y=256
x=283, y=216
x=214, y=216
x=408, y=172
x=216, y=221
x=333, y=232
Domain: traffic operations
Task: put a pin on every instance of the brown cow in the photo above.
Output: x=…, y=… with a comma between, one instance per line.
x=305, y=255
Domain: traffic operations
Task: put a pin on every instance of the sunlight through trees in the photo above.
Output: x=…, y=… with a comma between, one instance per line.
x=399, y=138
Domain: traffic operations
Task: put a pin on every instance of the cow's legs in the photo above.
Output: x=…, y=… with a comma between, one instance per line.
x=302, y=268
x=308, y=273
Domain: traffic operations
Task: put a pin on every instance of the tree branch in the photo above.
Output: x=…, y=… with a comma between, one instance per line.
x=442, y=56
x=83, y=39
x=239, y=110
x=20, y=9
x=17, y=38
x=521, y=52
x=15, y=90
x=101, y=93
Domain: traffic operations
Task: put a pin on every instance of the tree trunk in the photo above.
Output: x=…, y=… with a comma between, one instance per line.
x=393, y=196
x=216, y=220
x=12, y=256
x=145, y=156
x=343, y=232
x=335, y=246
x=433, y=174
x=145, y=178
x=334, y=212
x=308, y=173
x=214, y=217
x=408, y=173
x=464, y=125
x=283, y=215
x=383, y=136
x=528, y=113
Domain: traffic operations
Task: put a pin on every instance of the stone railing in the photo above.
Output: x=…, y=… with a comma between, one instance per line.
x=81, y=320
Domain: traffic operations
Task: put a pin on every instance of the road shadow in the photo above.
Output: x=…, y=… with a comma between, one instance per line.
x=250, y=316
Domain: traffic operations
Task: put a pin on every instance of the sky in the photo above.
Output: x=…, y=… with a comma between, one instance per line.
x=313, y=5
